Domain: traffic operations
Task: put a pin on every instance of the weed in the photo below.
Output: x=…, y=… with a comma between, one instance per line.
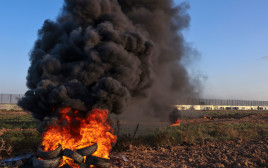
x=21, y=141
x=17, y=121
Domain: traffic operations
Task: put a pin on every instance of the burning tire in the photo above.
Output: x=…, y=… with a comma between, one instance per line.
x=49, y=154
x=73, y=155
x=51, y=163
x=88, y=150
x=66, y=166
x=96, y=161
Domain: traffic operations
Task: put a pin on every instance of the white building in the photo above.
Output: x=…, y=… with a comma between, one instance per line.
x=219, y=107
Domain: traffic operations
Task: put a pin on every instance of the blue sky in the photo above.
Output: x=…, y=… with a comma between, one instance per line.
x=19, y=23
x=230, y=35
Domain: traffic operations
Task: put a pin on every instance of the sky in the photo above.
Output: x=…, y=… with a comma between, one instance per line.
x=229, y=36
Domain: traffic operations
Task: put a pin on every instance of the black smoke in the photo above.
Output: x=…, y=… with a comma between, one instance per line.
x=174, y=116
x=115, y=54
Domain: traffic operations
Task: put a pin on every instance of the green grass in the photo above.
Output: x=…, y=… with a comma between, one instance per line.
x=195, y=133
x=232, y=113
x=21, y=141
x=19, y=132
x=17, y=121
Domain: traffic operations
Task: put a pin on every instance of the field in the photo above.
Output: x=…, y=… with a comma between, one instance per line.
x=18, y=133
x=229, y=139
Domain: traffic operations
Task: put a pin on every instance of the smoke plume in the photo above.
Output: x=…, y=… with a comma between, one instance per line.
x=120, y=55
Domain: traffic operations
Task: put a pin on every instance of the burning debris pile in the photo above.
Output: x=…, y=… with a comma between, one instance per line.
x=98, y=57
x=82, y=157
x=92, y=129
x=175, y=117
x=208, y=117
x=177, y=123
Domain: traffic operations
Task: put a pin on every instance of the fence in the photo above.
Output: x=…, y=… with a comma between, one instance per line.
x=232, y=102
x=10, y=98
x=14, y=98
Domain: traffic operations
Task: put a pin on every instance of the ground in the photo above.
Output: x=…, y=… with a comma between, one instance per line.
x=232, y=153
x=241, y=145
x=229, y=139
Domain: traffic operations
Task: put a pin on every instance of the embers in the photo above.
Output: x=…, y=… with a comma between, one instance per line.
x=177, y=123
x=208, y=117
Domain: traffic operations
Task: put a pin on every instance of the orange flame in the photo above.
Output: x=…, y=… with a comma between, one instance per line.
x=178, y=123
x=74, y=132
x=205, y=117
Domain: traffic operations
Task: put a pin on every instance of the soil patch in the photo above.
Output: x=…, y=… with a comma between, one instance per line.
x=235, y=153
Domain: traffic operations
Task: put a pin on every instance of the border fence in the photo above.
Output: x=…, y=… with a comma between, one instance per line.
x=232, y=102
x=14, y=98
x=10, y=98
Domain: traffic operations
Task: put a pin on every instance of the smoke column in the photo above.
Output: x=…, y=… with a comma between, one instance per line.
x=109, y=54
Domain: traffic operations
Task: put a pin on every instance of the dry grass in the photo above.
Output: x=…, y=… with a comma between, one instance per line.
x=199, y=131
x=18, y=131
x=10, y=107
x=4, y=148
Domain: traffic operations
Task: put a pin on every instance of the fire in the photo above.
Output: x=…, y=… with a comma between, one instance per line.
x=178, y=123
x=74, y=132
x=208, y=117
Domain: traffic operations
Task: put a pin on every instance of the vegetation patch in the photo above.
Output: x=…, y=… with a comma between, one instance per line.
x=192, y=134
x=18, y=134
x=14, y=121
x=20, y=141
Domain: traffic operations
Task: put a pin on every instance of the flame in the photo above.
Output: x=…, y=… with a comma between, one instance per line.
x=205, y=117
x=178, y=123
x=74, y=132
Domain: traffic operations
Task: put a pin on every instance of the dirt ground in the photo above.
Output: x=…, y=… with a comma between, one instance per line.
x=9, y=107
x=260, y=118
x=229, y=153
x=237, y=153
